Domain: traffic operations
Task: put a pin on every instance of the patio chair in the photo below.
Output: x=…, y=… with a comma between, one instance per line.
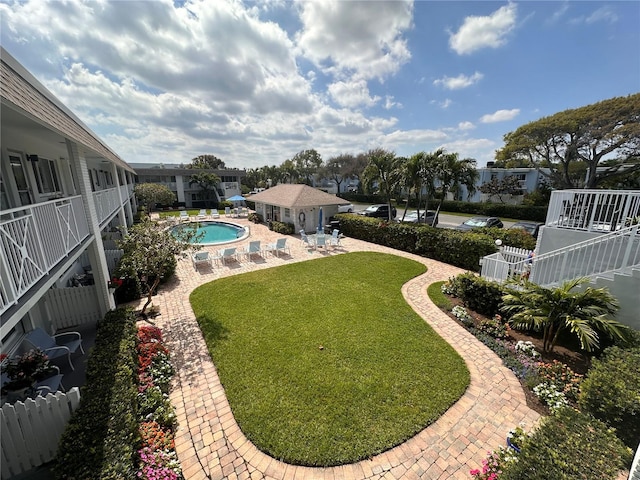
x=321, y=241
x=56, y=346
x=227, y=211
x=228, y=254
x=199, y=258
x=304, y=239
x=335, y=238
x=279, y=246
x=202, y=215
x=184, y=216
x=253, y=248
x=51, y=384
x=214, y=213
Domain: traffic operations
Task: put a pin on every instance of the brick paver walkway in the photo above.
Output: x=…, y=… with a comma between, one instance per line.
x=210, y=444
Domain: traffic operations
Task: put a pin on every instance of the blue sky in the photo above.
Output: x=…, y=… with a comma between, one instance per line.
x=256, y=82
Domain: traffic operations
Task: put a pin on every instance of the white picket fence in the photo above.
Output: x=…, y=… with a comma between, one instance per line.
x=112, y=256
x=69, y=307
x=32, y=429
x=508, y=262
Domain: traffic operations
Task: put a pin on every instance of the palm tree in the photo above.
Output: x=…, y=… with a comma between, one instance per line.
x=453, y=172
x=555, y=309
x=410, y=178
x=383, y=168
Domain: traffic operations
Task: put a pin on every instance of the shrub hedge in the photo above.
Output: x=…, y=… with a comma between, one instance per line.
x=283, y=228
x=100, y=439
x=477, y=293
x=566, y=446
x=611, y=392
x=461, y=249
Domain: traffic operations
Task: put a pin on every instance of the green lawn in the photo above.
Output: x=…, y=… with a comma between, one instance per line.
x=323, y=362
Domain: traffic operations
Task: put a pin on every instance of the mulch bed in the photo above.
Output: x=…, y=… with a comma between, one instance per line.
x=578, y=362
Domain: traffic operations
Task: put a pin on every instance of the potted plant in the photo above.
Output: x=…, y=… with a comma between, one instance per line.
x=23, y=372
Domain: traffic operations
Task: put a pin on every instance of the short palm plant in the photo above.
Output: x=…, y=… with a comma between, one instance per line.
x=555, y=309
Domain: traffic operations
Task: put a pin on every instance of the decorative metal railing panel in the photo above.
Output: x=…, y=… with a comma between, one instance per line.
x=106, y=202
x=594, y=210
x=33, y=239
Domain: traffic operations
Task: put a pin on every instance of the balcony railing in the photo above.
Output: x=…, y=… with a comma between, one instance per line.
x=617, y=251
x=593, y=210
x=33, y=239
x=107, y=202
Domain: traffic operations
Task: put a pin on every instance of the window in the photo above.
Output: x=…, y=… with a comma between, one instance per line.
x=46, y=175
x=287, y=213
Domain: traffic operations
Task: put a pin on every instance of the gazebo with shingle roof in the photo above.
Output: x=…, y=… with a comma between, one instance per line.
x=297, y=204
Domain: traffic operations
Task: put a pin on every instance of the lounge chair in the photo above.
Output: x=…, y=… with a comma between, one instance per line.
x=335, y=238
x=214, y=213
x=227, y=211
x=279, y=246
x=199, y=258
x=184, y=216
x=202, y=215
x=56, y=346
x=228, y=254
x=253, y=249
x=321, y=241
x=305, y=240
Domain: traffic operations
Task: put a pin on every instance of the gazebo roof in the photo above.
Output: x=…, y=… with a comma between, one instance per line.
x=296, y=196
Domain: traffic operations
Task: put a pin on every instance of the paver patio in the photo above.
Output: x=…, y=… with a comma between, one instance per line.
x=210, y=444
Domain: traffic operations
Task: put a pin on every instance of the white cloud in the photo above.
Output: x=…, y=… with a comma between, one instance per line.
x=389, y=102
x=446, y=103
x=466, y=126
x=500, y=116
x=364, y=38
x=461, y=81
x=558, y=14
x=482, y=32
x=603, y=14
x=353, y=94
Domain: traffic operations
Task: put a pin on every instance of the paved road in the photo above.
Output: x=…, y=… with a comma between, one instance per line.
x=444, y=220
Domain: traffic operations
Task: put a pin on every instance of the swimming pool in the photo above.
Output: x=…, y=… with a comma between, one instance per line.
x=217, y=232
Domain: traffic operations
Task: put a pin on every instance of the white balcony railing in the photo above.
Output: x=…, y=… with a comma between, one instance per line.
x=106, y=202
x=617, y=251
x=593, y=210
x=33, y=239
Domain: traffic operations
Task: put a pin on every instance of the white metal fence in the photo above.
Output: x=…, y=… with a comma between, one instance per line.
x=32, y=429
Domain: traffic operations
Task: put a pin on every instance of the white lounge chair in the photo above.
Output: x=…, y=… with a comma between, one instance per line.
x=228, y=254
x=253, y=249
x=200, y=258
x=202, y=215
x=184, y=216
x=214, y=213
x=279, y=246
x=321, y=241
x=56, y=346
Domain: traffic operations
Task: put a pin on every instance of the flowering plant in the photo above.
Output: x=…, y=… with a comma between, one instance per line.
x=527, y=348
x=24, y=369
x=115, y=282
x=461, y=314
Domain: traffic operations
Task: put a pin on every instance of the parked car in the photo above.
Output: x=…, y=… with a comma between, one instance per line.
x=345, y=208
x=379, y=211
x=531, y=227
x=480, y=222
x=430, y=218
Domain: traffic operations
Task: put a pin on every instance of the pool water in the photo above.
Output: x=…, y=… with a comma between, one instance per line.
x=217, y=232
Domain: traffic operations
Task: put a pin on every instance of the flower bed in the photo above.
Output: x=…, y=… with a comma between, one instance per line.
x=158, y=459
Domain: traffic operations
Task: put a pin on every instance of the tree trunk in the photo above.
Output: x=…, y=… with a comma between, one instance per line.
x=151, y=289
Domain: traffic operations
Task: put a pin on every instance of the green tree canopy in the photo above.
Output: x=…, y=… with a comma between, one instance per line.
x=150, y=251
x=207, y=182
x=509, y=185
x=578, y=141
x=206, y=161
x=152, y=194
x=385, y=169
x=307, y=163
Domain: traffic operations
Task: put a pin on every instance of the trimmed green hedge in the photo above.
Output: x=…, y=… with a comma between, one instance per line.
x=283, y=228
x=569, y=445
x=479, y=294
x=611, y=392
x=462, y=249
x=100, y=439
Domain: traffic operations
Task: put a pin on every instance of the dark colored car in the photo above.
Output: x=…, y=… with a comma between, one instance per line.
x=531, y=227
x=480, y=222
x=378, y=211
x=412, y=217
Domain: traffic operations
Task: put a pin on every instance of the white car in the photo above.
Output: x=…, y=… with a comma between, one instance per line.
x=345, y=208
